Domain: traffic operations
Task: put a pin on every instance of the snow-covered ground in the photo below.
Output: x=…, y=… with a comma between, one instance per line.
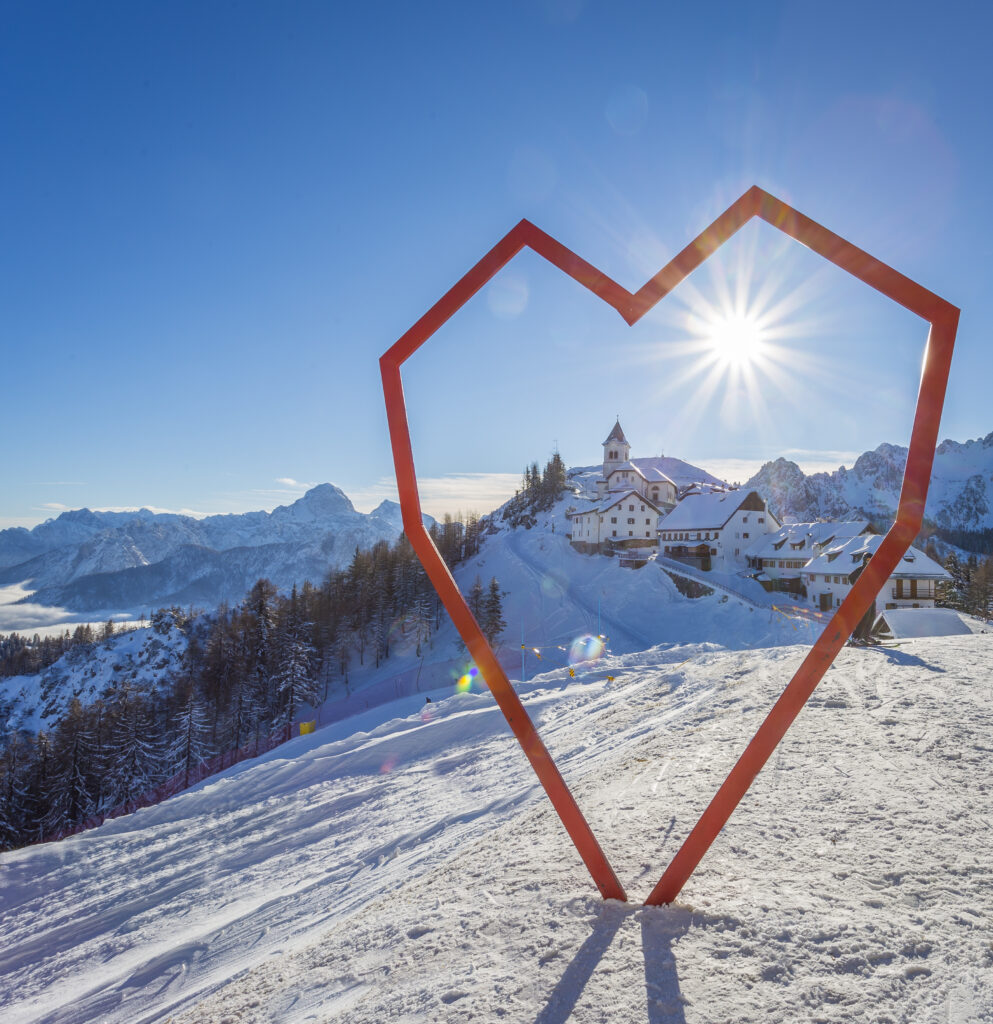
x=406, y=866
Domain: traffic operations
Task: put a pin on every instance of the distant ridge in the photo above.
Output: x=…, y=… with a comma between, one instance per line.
x=960, y=495
x=89, y=561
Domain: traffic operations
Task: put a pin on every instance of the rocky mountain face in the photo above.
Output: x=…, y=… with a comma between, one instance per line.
x=92, y=561
x=960, y=495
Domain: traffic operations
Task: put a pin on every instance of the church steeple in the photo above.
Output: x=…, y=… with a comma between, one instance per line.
x=616, y=449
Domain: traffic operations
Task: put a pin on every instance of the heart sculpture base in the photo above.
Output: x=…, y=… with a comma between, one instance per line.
x=943, y=320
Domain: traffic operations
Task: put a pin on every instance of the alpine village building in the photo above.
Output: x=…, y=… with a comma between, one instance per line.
x=632, y=494
x=640, y=512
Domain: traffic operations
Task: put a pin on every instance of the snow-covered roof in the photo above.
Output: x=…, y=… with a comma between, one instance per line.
x=651, y=469
x=905, y=623
x=644, y=468
x=801, y=540
x=610, y=500
x=845, y=556
x=628, y=467
x=709, y=511
x=616, y=434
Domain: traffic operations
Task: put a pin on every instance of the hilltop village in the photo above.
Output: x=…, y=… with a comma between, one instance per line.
x=640, y=512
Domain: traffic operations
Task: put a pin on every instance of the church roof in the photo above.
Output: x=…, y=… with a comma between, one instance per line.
x=616, y=434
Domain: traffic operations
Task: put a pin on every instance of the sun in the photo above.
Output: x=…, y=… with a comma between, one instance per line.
x=736, y=339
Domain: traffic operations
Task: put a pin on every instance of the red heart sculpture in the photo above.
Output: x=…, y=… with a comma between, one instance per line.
x=943, y=318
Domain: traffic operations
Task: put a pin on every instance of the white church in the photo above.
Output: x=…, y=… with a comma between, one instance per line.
x=639, y=505
x=631, y=493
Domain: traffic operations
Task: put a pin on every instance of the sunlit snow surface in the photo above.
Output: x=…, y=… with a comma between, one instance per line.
x=413, y=872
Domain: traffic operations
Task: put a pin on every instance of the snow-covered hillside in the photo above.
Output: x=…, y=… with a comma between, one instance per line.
x=406, y=866
x=102, y=562
x=960, y=495
x=552, y=596
x=146, y=659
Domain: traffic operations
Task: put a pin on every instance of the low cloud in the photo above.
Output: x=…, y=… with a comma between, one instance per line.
x=810, y=460
x=158, y=510
x=294, y=485
x=454, y=492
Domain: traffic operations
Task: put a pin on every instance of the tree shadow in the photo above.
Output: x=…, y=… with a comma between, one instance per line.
x=904, y=658
x=660, y=927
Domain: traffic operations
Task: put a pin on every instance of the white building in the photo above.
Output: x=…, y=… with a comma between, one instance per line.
x=622, y=473
x=829, y=576
x=631, y=494
x=712, y=531
x=781, y=556
x=626, y=520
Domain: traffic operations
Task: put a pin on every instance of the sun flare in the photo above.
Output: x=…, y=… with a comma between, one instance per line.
x=736, y=339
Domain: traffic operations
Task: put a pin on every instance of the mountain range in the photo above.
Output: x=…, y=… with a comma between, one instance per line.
x=92, y=562
x=960, y=497
x=89, y=561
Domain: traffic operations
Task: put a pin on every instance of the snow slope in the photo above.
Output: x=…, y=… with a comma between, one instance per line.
x=412, y=871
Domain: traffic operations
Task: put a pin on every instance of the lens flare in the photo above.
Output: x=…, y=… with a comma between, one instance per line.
x=586, y=649
x=464, y=684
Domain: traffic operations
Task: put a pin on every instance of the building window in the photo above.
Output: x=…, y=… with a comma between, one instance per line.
x=630, y=508
x=744, y=519
x=613, y=519
x=648, y=522
x=613, y=533
x=630, y=520
x=630, y=534
x=642, y=508
x=744, y=536
x=761, y=519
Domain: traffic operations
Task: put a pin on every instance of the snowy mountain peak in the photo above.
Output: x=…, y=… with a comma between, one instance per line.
x=390, y=511
x=321, y=502
x=959, y=496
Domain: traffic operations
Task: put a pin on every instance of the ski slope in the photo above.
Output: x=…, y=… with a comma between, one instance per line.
x=404, y=866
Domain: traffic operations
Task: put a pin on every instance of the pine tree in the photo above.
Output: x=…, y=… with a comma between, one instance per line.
x=134, y=754
x=475, y=599
x=14, y=767
x=69, y=800
x=190, y=738
x=295, y=677
x=979, y=596
x=493, y=623
x=37, y=791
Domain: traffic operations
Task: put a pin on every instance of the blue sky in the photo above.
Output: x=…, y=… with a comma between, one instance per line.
x=216, y=217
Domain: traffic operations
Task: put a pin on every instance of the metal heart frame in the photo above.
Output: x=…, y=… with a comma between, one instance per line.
x=943, y=320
